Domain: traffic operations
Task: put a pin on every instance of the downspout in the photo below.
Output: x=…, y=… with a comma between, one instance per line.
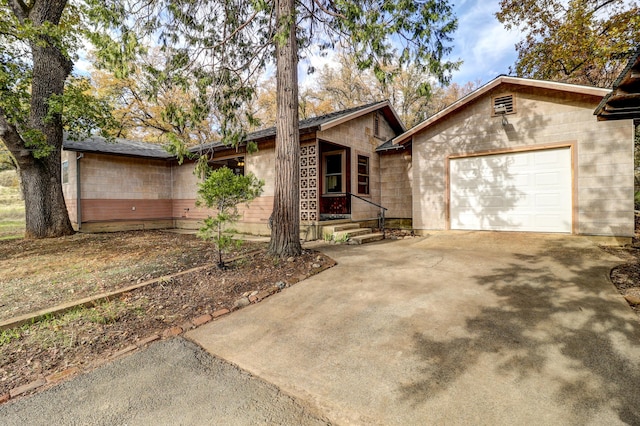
x=78, y=189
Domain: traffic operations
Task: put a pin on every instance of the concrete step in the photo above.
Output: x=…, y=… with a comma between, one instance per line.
x=367, y=238
x=350, y=233
x=340, y=227
x=345, y=226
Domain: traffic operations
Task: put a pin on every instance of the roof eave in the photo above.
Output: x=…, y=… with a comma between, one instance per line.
x=399, y=126
x=118, y=154
x=624, y=78
x=566, y=87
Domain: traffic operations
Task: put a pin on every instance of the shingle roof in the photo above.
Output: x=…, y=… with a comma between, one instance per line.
x=315, y=123
x=124, y=147
x=623, y=102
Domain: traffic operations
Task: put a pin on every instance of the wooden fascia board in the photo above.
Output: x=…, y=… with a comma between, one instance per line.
x=353, y=115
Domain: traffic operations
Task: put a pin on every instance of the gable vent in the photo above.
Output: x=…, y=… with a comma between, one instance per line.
x=503, y=105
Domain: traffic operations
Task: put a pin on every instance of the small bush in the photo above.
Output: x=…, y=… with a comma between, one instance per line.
x=223, y=191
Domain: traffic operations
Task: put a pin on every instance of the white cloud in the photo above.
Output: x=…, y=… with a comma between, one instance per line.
x=481, y=42
x=82, y=66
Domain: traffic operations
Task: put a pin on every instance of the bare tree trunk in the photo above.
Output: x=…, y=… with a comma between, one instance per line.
x=285, y=231
x=45, y=209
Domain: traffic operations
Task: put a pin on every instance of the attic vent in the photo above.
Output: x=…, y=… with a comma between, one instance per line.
x=503, y=105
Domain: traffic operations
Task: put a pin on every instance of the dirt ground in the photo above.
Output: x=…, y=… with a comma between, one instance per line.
x=47, y=272
x=44, y=273
x=626, y=277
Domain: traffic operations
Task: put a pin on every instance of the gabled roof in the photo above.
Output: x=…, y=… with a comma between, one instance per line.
x=563, y=87
x=324, y=122
x=124, y=147
x=623, y=102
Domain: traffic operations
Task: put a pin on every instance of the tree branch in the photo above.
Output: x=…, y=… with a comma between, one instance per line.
x=20, y=9
x=327, y=11
x=236, y=31
x=11, y=137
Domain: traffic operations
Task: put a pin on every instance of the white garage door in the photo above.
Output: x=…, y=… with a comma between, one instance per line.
x=525, y=191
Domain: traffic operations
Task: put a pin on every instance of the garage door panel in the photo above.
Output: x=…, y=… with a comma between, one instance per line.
x=525, y=191
x=549, y=179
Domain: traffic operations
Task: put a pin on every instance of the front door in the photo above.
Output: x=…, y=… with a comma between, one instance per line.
x=334, y=202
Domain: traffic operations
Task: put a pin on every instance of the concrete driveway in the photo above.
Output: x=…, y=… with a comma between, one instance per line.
x=454, y=328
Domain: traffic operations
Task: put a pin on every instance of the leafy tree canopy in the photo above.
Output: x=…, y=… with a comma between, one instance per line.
x=576, y=41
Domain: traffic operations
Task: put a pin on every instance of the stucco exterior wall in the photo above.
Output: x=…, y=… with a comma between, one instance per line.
x=396, y=184
x=117, y=188
x=116, y=178
x=253, y=219
x=358, y=135
x=137, y=193
x=69, y=189
x=603, y=154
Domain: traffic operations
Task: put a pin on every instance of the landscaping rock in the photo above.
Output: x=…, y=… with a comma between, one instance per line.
x=56, y=377
x=220, y=312
x=202, y=319
x=170, y=332
x=633, y=300
x=281, y=285
x=241, y=303
x=26, y=388
x=148, y=340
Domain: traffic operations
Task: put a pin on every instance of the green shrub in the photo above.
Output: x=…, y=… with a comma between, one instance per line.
x=223, y=191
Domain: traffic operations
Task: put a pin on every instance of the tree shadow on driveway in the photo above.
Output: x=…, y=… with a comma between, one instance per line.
x=559, y=327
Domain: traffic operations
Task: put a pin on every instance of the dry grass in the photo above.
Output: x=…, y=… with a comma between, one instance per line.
x=42, y=273
x=11, y=207
x=36, y=274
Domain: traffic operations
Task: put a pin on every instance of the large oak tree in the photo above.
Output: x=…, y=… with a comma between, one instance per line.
x=33, y=132
x=39, y=100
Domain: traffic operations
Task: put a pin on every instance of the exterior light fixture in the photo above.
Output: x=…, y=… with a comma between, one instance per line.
x=501, y=110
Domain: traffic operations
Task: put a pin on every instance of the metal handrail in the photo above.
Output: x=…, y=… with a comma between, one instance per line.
x=380, y=215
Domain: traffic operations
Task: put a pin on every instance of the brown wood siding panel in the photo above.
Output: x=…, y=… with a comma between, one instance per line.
x=186, y=208
x=258, y=210
x=103, y=210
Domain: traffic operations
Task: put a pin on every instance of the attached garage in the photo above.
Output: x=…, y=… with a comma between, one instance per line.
x=523, y=155
x=522, y=191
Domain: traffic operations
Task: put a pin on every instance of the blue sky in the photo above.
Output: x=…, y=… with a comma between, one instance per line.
x=486, y=48
x=481, y=42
